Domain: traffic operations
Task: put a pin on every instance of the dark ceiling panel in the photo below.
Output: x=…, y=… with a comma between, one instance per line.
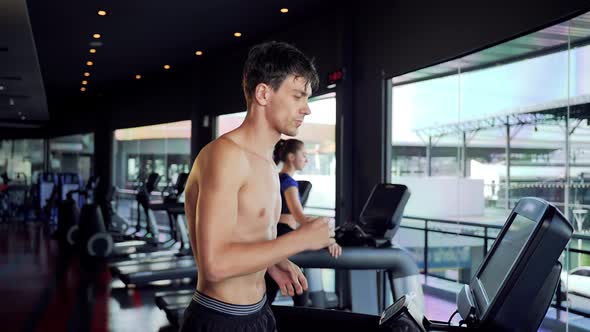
x=22, y=95
x=139, y=37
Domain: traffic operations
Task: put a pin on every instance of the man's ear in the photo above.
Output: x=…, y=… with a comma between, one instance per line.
x=262, y=94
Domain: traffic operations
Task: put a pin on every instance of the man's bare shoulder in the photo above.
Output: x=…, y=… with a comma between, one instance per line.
x=221, y=154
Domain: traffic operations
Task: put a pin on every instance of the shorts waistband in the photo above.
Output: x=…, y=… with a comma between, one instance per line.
x=228, y=308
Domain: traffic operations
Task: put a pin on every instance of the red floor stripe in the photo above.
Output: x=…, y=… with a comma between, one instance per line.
x=100, y=319
x=136, y=298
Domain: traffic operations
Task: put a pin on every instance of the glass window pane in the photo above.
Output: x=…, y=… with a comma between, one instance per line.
x=72, y=154
x=576, y=260
x=318, y=132
x=22, y=159
x=139, y=151
x=163, y=148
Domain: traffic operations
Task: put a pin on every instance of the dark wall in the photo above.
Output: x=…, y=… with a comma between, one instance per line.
x=159, y=98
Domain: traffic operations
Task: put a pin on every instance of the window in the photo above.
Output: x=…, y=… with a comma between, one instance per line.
x=72, y=154
x=22, y=159
x=162, y=148
x=472, y=136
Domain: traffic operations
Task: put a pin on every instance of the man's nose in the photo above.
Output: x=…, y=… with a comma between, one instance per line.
x=306, y=110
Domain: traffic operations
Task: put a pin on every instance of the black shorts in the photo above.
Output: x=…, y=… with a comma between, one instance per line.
x=202, y=317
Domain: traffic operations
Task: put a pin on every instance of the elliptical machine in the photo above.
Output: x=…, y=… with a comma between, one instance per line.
x=84, y=229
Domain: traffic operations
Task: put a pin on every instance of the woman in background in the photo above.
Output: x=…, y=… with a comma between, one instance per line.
x=291, y=153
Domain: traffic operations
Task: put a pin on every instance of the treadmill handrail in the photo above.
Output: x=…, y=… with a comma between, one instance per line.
x=396, y=260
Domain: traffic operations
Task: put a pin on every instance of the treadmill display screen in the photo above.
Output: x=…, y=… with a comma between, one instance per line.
x=384, y=202
x=505, y=255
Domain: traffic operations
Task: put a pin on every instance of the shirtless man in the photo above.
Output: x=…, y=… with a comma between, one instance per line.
x=233, y=201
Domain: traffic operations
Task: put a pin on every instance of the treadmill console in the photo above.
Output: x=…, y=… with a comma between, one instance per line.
x=379, y=220
x=403, y=312
x=521, y=268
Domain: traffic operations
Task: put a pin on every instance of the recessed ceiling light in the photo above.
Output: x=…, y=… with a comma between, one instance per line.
x=102, y=13
x=237, y=34
x=82, y=89
x=137, y=77
x=86, y=74
x=96, y=36
x=92, y=50
x=199, y=52
x=23, y=117
x=1, y=87
x=84, y=82
x=284, y=10
x=166, y=67
x=89, y=63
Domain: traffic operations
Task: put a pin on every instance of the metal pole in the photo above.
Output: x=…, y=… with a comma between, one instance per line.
x=485, y=241
x=464, y=155
x=507, y=189
x=566, y=191
x=425, y=250
x=429, y=157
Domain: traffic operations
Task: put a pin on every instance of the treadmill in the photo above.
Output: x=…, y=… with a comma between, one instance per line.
x=175, y=212
x=147, y=268
x=180, y=251
x=137, y=247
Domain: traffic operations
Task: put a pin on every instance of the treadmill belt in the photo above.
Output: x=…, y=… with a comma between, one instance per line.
x=183, y=267
x=163, y=256
x=176, y=301
x=125, y=249
x=136, y=257
x=156, y=266
x=176, y=292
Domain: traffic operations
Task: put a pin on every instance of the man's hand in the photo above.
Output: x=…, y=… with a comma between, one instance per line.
x=335, y=250
x=316, y=233
x=289, y=277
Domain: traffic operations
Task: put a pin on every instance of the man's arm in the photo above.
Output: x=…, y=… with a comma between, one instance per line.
x=222, y=174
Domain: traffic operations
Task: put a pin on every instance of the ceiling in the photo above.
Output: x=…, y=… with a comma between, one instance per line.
x=22, y=96
x=137, y=37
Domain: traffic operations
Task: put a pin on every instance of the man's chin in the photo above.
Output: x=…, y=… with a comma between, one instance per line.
x=291, y=132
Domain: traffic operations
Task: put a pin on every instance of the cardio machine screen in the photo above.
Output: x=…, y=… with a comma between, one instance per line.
x=505, y=255
x=384, y=202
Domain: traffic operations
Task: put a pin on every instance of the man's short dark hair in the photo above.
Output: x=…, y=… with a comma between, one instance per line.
x=271, y=62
